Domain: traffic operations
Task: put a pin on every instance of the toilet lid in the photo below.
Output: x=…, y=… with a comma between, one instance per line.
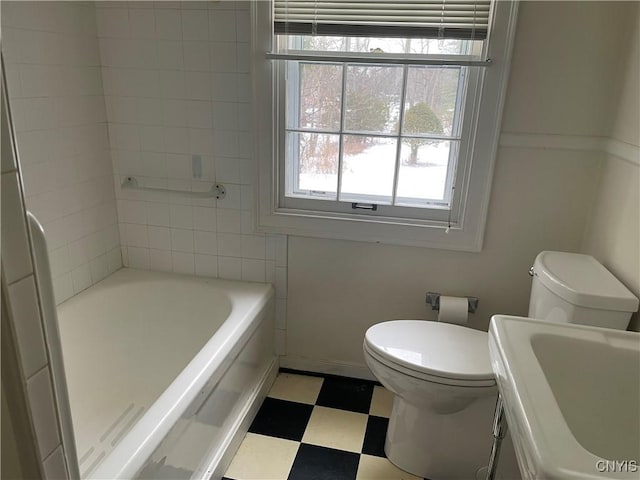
x=432, y=348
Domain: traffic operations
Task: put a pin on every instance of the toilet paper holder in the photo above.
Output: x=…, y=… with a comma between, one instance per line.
x=433, y=299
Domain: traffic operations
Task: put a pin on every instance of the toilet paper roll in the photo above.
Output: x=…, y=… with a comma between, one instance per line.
x=453, y=310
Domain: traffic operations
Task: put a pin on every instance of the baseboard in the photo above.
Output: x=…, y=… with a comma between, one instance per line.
x=232, y=440
x=328, y=367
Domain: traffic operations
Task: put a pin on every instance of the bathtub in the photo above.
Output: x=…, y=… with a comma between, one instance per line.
x=165, y=372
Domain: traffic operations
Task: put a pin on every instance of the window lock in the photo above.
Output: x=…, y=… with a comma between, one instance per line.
x=364, y=206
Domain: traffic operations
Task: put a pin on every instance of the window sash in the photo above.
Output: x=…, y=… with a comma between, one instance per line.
x=461, y=19
x=449, y=211
x=293, y=167
x=377, y=58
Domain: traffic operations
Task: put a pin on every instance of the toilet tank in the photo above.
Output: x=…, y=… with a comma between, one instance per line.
x=576, y=288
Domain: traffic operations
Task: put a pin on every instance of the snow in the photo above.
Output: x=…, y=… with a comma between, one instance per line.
x=371, y=172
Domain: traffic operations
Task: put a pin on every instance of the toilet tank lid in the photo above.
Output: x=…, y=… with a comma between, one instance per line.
x=583, y=281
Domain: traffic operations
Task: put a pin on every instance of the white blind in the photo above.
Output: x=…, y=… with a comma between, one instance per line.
x=462, y=19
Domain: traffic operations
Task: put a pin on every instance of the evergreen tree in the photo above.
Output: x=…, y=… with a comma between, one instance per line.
x=420, y=119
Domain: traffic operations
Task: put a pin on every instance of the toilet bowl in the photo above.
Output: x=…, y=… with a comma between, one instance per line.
x=445, y=391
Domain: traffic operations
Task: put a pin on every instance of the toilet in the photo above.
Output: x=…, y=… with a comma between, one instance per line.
x=440, y=374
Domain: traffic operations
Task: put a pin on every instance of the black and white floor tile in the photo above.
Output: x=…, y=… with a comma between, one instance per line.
x=318, y=428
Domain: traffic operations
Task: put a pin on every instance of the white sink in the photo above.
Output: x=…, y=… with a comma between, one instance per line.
x=571, y=396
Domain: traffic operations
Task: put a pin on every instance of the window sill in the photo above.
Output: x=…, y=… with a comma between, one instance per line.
x=467, y=237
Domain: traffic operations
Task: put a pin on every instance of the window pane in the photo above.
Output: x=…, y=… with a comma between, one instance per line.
x=424, y=46
x=319, y=43
x=423, y=170
x=431, y=99
x=319, y=97
x=373, y=99
x=368, y=167
x=314, y=158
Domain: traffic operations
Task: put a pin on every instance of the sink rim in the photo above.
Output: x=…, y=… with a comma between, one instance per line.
x=549, y=450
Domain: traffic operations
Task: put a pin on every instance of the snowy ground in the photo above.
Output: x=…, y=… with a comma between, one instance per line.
x=371, y=172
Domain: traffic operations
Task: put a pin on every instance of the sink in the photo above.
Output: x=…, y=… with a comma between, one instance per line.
x=571, y=395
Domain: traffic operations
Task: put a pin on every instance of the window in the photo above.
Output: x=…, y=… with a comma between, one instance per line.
x=378, y=120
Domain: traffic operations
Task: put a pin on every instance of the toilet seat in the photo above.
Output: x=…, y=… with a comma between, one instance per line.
x=432, y=351
x=449, y=382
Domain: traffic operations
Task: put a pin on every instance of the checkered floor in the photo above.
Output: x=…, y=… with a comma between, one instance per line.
x=318, y=428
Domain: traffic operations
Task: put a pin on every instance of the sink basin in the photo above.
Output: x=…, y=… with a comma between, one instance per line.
x=571, y=396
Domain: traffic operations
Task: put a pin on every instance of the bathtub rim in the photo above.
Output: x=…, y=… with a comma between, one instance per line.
x=129, y=455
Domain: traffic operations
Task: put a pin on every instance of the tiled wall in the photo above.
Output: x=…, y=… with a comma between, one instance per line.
x=177, y=91
x=177, y=84
x=172, y=80
x=25, y=318
x=55, y=88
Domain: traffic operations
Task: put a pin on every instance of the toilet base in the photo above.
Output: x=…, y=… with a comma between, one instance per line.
x=440, y=446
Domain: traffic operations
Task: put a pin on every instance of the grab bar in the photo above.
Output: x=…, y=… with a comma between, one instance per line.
x=218, y=190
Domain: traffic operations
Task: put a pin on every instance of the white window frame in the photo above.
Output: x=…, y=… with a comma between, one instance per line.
x=464, y=230
x=391, y=213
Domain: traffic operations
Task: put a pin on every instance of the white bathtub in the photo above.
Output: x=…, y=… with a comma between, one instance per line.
x=165, y=372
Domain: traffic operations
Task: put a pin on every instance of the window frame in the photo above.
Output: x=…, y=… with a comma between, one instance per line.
x=437, y=211
x=462, y=229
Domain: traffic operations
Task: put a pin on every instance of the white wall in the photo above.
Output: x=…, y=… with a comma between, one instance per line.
x=566, y=56
x=26, y=365
x=55, y=89
x=338, y=289
x=176, y=80
x=557, y=109
x=613, y=231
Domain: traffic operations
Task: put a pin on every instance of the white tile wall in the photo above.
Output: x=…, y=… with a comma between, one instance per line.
x=25, y=317
x=24, y=308
x=43, y=410
x=54, y=465
x=6, y=144
x=55, y=88
x=176, y=82
x=14, y=240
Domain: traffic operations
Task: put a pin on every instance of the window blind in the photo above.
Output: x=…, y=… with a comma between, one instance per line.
x=461, y=19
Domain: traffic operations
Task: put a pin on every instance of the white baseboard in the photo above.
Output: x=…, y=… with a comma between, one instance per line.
x=235, y=435
x=327, y=367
